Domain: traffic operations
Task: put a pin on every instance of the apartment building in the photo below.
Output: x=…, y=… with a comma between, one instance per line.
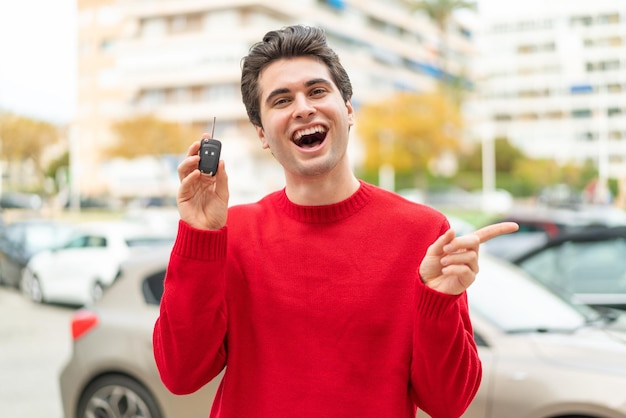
x=180, y=60
x=551, y=77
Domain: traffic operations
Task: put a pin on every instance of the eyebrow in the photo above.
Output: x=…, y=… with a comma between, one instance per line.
x=308, y=83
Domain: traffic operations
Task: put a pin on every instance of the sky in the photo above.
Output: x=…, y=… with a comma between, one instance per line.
x=38, y=57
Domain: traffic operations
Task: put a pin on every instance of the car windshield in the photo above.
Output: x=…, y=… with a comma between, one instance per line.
x=508, y=298
x=582, y=267
x=40, y=237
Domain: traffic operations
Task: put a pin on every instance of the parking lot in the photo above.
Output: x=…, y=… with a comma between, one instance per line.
x=35, y=343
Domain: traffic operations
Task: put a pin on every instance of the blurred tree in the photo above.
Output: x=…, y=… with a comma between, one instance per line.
x=148, y=135
x=535, y=174
x=507, y=155
x=58, y=170
x=520, y=174
x=22, y=141
x=409, y=131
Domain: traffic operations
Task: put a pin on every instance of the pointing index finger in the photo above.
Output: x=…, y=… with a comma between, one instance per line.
x=491, y=231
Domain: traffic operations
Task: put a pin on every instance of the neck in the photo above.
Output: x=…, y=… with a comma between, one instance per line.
x=322, y=190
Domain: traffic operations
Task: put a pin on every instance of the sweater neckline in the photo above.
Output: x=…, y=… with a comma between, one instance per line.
x=326, y=213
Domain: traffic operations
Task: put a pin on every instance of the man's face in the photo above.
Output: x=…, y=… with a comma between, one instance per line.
x=305, y=119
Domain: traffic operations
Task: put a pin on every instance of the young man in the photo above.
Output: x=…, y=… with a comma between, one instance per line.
x=331, y=298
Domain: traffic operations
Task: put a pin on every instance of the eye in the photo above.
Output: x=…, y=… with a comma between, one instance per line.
x=281, y=101
x=318, y=91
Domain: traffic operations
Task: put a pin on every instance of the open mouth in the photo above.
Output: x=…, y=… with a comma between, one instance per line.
x=310, y=138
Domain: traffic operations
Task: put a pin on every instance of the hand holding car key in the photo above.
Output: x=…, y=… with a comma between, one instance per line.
x=209, y=152
x=202, y=197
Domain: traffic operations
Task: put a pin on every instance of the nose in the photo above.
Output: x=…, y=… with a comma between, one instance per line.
x=303, y=108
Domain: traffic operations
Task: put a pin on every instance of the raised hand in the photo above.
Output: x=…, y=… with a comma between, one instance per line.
x=202, y=199
x=451, y=264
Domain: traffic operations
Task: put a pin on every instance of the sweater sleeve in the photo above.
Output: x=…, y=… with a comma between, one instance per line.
x=446, y=370
x=189, y=335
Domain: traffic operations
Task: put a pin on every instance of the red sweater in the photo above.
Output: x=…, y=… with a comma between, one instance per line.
x=317, y=312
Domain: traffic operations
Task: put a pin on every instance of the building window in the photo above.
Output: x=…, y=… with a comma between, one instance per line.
x=152, y=28
x=186, y=23
x=581, y=21
x=608, y=19
x=612, y=41
x=555, y=114
x=534, y=93
x=603, y=66
x=220, y=92
x=587, y=136
x=614, y=111
x=178, y=23
x=615, y=135
x=528, y=116
x=614, y=88
x=196, y=93
x=581, y=113
x=149, y=99
x=526, y=49
x=178, y=95
x=581, y=89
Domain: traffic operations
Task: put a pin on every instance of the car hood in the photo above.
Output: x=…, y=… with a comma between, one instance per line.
x=590, y=348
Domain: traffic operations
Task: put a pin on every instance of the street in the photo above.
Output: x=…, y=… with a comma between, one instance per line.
x=35, y=343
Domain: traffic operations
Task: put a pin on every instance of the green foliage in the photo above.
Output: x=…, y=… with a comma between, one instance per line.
x=63, y=161
x=518, y=174
x=507, y=156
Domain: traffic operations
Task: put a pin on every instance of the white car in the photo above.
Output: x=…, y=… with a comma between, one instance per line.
x=78, y=272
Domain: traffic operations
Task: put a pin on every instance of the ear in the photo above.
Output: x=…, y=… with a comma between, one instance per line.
x=261, y=134
x=350, y=112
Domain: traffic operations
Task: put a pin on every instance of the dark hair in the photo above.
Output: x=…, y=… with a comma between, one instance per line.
x=288, y=42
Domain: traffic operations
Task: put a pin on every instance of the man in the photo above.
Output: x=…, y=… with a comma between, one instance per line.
x=330, y=298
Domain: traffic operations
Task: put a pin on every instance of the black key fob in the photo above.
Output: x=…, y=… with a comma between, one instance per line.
x=209, y=156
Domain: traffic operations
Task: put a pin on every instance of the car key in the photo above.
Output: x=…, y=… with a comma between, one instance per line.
x=210, y=149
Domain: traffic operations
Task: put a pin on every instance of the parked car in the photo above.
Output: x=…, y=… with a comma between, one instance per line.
x=588, y=265
x=17, y=200
x=112, y=366
x=537, y=225
x=542, y=356
x=79, y=271
x=20, y=240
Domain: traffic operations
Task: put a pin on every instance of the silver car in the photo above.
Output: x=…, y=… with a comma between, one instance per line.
x=542, y=356
x=112, y=373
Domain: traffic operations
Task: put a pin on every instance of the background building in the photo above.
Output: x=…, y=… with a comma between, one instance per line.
x=551, y=77
x=180, y=60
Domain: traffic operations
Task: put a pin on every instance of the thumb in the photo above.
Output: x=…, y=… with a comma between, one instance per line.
x=430, y=267
x=436, y=248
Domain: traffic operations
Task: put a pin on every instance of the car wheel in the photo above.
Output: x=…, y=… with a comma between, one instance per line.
x=117, y=396
x=97, y=291
x=31, y=286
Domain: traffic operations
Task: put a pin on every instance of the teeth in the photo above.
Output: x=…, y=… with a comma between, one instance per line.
x=308, y=131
